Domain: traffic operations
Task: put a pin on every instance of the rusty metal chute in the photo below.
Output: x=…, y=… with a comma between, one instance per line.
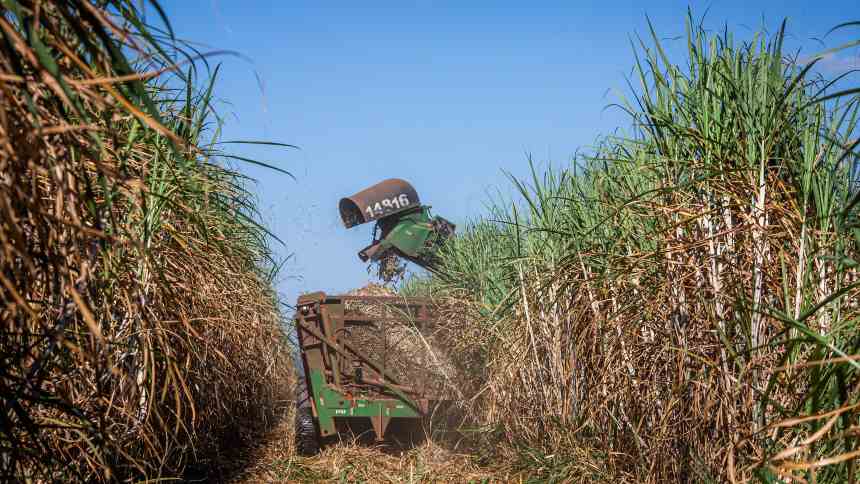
x=381, y=200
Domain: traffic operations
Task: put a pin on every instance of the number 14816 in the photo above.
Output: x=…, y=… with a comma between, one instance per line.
x=387, y=205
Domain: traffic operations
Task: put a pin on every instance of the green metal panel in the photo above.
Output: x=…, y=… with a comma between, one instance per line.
x=330, y=403
x=411, y=232
x=325, y=417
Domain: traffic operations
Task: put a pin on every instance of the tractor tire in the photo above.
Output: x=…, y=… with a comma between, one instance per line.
x=307, y=439
x=306, y=436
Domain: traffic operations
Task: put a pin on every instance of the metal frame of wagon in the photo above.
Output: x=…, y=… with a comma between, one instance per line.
x=334, y=369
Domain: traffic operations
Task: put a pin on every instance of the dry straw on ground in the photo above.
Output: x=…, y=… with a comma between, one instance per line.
x=349, y=461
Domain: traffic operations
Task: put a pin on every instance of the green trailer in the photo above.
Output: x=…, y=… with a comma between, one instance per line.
x=349, y=375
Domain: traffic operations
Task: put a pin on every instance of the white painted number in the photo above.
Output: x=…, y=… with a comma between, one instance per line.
x=387, y=205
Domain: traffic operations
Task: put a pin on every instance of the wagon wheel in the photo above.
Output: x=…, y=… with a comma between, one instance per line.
x=306, y=436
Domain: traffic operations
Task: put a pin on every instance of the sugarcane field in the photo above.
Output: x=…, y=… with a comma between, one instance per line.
x=429, y=242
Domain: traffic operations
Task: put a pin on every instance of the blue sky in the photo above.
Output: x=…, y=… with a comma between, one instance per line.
x=448, y=95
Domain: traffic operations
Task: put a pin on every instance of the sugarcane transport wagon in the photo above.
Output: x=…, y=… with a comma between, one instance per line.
x=363, y=360
x=366, y=358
